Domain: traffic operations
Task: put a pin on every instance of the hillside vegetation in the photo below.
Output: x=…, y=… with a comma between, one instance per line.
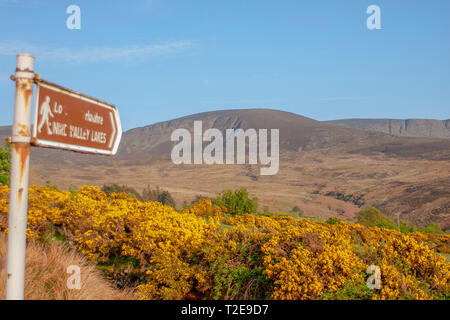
x=323, y=168
x=205, y=252
x=405, y=128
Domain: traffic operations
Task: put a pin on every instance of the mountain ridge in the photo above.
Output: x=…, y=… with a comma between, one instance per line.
x=429, y=128
x=297, y=133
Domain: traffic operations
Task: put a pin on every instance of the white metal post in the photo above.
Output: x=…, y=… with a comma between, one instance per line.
x=18, y=197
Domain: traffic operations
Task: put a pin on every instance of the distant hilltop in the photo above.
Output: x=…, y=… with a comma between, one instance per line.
x=415, y=138
x=426, y=128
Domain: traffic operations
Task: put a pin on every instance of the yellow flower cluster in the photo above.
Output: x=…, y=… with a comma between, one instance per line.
x=201, y=252
x=205, y=208
x=313, y=262
x=409, y=268
x=306, y=259
x=440, y=242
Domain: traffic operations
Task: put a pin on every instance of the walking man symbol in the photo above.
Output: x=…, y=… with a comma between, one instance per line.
x=46, y=112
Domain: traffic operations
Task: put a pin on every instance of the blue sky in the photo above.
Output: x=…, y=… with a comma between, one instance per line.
x=158, y=60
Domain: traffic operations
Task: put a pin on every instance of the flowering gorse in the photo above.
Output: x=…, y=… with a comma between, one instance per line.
x=202, y=252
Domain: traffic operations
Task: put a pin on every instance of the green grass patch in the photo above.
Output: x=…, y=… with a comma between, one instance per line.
x=350, y=291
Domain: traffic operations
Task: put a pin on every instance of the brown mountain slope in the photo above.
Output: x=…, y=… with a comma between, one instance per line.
x=297, y=133
x=404, y=128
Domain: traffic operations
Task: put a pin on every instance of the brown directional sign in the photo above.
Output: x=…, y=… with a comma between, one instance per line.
x=66, y=119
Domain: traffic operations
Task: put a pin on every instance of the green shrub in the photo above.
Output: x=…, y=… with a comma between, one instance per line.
x=406, y=228
x=372, y=217
x=166, y=199
x=163, y=196
x=297, y=211
x=265, y=214
x=431, y=228
x=237, y=202
x=110, y=188
x=333, y=220
x=5, y=164
x=350, y=291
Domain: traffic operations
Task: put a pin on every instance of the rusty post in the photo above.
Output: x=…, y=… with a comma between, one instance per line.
x=18, y=197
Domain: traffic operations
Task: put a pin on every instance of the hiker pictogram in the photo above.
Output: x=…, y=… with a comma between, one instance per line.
x=46, y=112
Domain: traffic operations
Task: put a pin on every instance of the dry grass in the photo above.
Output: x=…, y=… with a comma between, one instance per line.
x=46, y=275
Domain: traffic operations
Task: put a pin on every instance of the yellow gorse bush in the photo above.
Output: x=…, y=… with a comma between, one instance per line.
x=201, y=252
